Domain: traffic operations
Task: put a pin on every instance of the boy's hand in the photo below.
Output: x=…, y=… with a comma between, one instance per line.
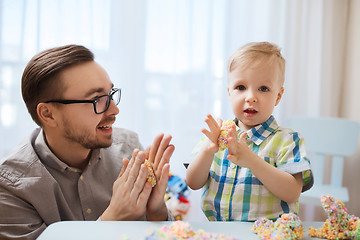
x=238, y=150
x=214, y=133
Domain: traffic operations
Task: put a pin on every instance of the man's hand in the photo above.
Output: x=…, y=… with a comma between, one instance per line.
x=130, y=191
x=159, y=154
x=133, y=196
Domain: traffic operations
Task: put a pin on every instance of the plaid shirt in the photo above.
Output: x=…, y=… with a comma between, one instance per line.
x=233, y=193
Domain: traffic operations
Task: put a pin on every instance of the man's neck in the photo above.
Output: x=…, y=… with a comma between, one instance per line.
x=73, y=154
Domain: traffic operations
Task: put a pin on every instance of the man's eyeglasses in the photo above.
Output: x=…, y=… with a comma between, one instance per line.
x=101, y=103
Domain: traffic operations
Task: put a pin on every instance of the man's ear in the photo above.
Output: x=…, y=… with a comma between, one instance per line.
x=280, y=93
x=45, y=113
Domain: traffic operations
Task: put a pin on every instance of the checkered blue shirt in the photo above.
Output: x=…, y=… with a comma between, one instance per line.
x=233, y=193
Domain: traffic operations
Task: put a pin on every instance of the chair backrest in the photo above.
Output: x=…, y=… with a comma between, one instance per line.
x=324, y=136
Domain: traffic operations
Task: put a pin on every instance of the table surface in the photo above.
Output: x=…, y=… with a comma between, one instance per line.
x=137, y=230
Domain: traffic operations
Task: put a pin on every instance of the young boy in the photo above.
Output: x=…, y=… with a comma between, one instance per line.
x=262, y=173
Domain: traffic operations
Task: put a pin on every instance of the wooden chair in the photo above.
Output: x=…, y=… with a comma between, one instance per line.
x=324, y=137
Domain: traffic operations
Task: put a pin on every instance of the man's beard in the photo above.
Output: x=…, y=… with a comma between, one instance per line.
x=84, y=138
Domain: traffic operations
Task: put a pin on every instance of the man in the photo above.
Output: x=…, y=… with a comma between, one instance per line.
x=76, y=166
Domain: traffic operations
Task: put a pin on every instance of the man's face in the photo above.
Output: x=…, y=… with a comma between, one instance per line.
x=78, y=122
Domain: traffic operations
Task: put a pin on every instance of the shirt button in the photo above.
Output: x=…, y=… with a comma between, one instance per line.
x=81, y=178
x=88, y=211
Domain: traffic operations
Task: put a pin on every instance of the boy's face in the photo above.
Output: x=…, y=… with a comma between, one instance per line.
x=253, y=93
x=78, y=123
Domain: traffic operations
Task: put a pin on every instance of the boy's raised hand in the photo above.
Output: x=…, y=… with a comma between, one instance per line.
x=238, y=150
x=214, y=133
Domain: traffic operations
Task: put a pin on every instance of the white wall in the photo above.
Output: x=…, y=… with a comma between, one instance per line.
x=350, y=107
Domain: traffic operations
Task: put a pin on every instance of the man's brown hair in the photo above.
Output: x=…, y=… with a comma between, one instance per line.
x=40, y=81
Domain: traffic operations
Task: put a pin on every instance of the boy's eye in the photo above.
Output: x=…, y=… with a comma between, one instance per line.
x=264, y=89
x=240, y=87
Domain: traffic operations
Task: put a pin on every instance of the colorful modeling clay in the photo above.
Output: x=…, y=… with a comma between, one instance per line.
x=223, y=140
x=287, y=227
x=339, y=224
x=151, y=175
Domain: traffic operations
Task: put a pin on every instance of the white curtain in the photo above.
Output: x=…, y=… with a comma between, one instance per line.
x=169, y=57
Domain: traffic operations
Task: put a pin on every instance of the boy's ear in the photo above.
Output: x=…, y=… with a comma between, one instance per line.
x=45, y=113
x=280, y=93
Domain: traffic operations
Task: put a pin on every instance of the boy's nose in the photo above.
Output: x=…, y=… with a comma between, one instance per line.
x=250, y=97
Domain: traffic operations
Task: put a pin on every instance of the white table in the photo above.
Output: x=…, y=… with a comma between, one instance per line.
x=136, y=230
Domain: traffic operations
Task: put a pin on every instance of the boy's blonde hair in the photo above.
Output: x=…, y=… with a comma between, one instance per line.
x=256, y=54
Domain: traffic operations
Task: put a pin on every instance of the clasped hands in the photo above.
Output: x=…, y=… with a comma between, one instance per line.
x=134, y=197
x=238, y=149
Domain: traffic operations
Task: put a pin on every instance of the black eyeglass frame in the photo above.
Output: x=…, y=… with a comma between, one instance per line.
x=94, y=100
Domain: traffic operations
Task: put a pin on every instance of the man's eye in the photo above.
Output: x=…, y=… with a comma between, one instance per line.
x=240, y=87
x=263, y=89
x=95, y=98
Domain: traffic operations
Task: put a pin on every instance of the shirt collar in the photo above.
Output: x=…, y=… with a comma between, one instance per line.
x=259, y=133
x=48, y=158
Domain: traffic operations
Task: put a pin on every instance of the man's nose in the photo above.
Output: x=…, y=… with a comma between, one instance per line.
x=113, y=109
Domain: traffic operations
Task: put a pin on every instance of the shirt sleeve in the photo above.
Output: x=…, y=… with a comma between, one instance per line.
x=19, y=220
x=194, y=152
x=292, y=157
x=197, y=148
